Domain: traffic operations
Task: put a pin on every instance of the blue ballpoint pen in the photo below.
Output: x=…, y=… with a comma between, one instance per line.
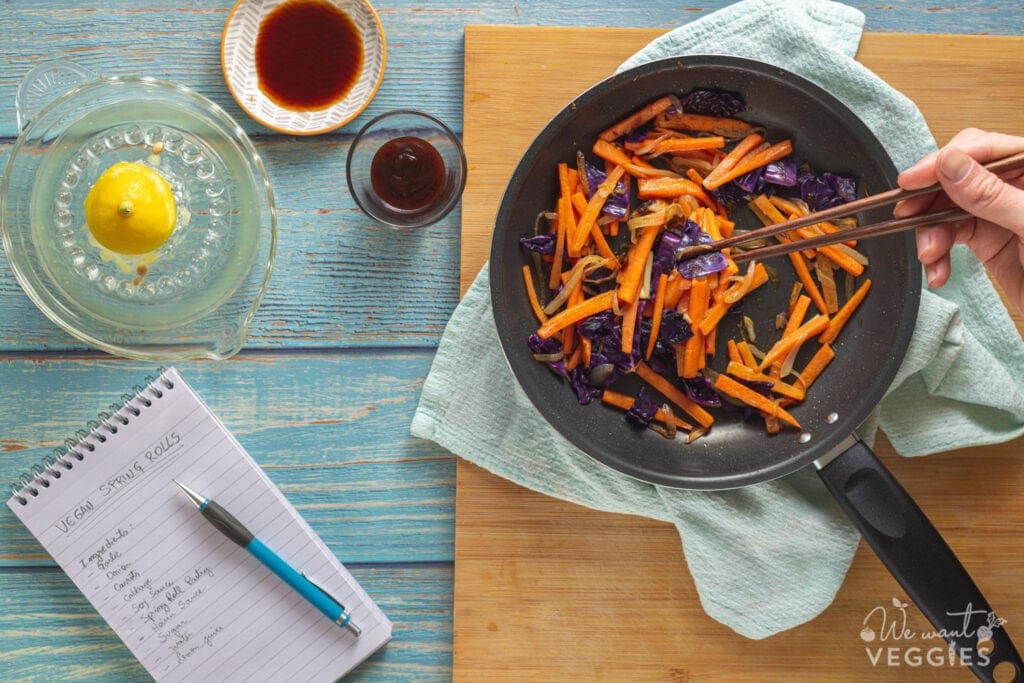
x=306, y=587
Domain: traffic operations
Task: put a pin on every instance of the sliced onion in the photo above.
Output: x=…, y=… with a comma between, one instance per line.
x=645, y=287
x=670, y=421
x=549, y=357
x=582, y=266
x=732, y=297
x=852, y=253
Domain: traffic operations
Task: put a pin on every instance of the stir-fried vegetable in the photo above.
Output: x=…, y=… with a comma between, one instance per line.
x=677, y=173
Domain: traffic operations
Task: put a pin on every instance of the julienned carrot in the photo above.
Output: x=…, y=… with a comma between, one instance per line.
x=693, y=350
x=564, y=187
x=597, y=200
x=835, y=326
x=730, y=128
x=569, y=316
x=741, y=371
x=669, y=188
x=629, y=315
x=633, y=274
x=636, y=119
x=672, y=393
x=748, y=163
x=729, y=161
x=731, y=387
x=531, y=294
x=796, y=317
x=746, y=355
x=839, y=257
x=811, y=328
x=804, y=275
x=579, y=202
x=671, y=145
x=625, y=402
x=560, y=238
x=816, y=365
x=659, y=307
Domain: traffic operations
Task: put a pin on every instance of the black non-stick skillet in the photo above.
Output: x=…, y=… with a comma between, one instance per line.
x=827, y=136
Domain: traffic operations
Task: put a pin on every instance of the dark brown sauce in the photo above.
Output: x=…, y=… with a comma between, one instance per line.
x=308, y=54
x=407, y=173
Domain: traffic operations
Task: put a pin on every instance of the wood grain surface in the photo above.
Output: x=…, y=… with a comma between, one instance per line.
x=547, y=590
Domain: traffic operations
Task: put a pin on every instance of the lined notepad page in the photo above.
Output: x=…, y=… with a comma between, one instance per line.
x=188, y=602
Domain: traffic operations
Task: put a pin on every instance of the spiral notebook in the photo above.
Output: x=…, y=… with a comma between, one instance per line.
x=189, y=603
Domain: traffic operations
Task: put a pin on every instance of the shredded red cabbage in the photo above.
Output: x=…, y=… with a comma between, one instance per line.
x=712, y=103
x=705, y=264
x=542, y=244
x=617, y=204
x=641, y=413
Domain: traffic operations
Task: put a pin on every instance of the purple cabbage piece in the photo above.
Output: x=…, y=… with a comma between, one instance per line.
x=617, y=204
x=606, y=336
x=700, y=390
x=712, y=103
x=665, y=250
x=751, y=182
x=826, y=190
x=548, y=346
x=674, y=328
x=598, y=327
x=781, y=172
x=585, y=391
x=705, y=264
x=542, y=244
x=641, y=413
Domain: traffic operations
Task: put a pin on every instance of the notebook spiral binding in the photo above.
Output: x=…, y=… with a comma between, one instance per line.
x=51, y=467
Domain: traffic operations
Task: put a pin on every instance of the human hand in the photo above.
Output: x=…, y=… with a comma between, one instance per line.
x=995, y=232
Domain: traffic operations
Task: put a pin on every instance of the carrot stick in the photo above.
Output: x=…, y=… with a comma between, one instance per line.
x=659, y=307
x=670, y=145
x=746, y=355
x=629, y=316
x=569, y=333
x=749, y=163
x=614, y=398
x=697, y=308
x=672, y=393
x=803, y=273
x=636, y=262
x=812, y=327
x=796, y=318
x=730, y=128
x=677, y=285
x=669, y=188
x=733, y=351
x=838, y=257
x=564, y=188
x=597, y=200
x=816, y=365
x=570, y=315
x=844, y=314
x=579, y=202
x=636, y=119
x=741, y=371
x=731, y=387
x=531, y=294
x=560, y=238
x=729, y=161
x=574, y=359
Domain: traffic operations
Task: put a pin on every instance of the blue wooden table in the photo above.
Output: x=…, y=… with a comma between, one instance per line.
x=324, y=391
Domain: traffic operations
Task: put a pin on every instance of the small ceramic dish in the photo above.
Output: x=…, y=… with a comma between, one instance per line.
x=250, y=53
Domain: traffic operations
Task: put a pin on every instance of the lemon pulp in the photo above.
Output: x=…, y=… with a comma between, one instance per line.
x=130, y=209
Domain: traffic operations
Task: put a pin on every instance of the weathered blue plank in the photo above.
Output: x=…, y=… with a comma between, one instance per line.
x=180, y=40
x=51, y=632
x=332, y=431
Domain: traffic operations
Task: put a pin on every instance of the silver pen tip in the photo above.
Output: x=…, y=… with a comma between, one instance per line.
x=192, y=495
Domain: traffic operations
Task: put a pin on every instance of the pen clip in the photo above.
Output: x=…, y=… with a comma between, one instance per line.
x=346, y=616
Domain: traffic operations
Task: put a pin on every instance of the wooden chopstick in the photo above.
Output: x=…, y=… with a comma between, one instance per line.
x=1005, y=165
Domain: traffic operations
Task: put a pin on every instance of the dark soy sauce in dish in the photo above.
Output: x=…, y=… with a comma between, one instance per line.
x=407, y=173
x=308, y=54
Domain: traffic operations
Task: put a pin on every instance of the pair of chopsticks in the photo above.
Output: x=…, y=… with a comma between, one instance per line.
x=1005, y=165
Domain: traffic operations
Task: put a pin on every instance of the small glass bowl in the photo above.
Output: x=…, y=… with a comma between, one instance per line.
x=390, y=126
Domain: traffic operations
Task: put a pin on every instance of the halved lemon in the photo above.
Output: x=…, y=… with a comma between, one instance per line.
x=130, y=209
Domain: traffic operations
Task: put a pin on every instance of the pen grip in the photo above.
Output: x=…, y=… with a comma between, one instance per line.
x=226, y=523
x=300, y=583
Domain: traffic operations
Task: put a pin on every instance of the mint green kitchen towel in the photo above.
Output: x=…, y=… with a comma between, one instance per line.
x=771, y=556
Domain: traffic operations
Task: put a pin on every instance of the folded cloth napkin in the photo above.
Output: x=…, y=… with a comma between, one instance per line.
x=770, y=556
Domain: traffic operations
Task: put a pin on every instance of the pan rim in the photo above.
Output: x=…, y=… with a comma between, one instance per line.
x=885, y=371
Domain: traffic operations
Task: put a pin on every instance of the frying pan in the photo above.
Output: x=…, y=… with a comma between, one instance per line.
x=827, y=136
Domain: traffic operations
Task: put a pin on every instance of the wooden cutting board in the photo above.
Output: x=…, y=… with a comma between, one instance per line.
x=547, y=590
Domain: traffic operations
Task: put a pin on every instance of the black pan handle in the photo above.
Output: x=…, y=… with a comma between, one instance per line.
x=918, y=557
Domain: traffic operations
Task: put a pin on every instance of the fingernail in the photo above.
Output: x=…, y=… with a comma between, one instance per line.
x=924, y=240
x=955, y=165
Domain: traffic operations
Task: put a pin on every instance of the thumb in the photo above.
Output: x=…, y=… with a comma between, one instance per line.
x=982, y=193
